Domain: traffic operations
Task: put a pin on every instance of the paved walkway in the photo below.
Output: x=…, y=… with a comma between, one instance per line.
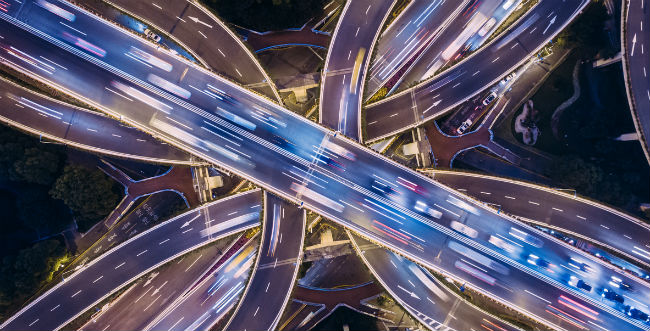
x=177, y=179
x=304, y=36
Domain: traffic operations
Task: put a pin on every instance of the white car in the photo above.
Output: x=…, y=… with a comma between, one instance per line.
x=424, y=208
x=464, y=126
x=151, y=35
x=464, y=229
x=487, y=26
x=489, y=98
x=506, y=246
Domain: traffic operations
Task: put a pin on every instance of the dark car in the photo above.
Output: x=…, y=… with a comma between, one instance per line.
x=612, y=296
x=636, y=314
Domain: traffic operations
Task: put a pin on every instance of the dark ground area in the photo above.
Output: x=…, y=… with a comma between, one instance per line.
x=267, y=15
x=346, y=316
x=589, y=159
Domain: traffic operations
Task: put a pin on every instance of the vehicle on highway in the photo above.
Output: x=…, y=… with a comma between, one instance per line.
x=464, y=126
x=580, y=265
x=526, y=237
x=411, y=186
x=330, y=162
x=611, y=295
x=508, y=78
x=579, y=283
x=464, y=229
x=384, y=189
x=489, y=98
x=506, y=246
x=636, y=313
x=487, y=27
x=223, y=96
x=425, y=209
x=618, y=283
x=538, y=261
x=151, y=35
x=340, y=150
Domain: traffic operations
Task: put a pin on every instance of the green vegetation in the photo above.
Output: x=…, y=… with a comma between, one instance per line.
x=88, y=193
x=586, y=34
x=32, y=179
x=24, y=272
x=267, y=15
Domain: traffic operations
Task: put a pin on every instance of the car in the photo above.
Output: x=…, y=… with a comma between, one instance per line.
x=536, y=260
x=424, y=208
x=464, y=126
x=489, y=98
x=580, y=265
x=487, y=26
x=579, y=283
x=383, y=188
x=506, y=246
x=151, y=35
x=282, y=142
x=618, y=283
x=464, y=229
x=636, y=314
x=612, y=296
x=508, y=78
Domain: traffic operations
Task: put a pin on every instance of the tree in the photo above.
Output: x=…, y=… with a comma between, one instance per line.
x=573, y=172
x=37, y=166
x=265, y=15
x=22, y=273
x=88, y=193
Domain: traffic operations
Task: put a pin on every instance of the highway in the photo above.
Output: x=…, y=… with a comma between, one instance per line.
x=276, y=267
x=208, y=302
x=417, y=27
x=557, y=210
x=200, y=31
x=297, y=163
x=436, y=96
x=421, y=294
x=135, y=309
x=134, y=258
x=81, y=128
x=468, y=31
x=346, y=64
x=636, y=63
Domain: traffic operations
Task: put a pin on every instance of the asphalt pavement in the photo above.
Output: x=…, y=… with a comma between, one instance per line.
x=135, y=257
x=423, y=295
x=81, y=128
x=275, y=268
x=637, y=63
x=436, y=96
x=202, y=32
x=558, y=209
x=305, y=163
x=346, y=64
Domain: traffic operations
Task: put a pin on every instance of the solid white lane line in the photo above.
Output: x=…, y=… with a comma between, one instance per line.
x=75, y=294
x=537, y=296
x=121, y=264
x=533, y=203
x=144, y=251
x=55, y=307
x=582, y=218
x=191, y=265
x=509, y=197
x=557, y=209
x=164, y=241
x=96, y=280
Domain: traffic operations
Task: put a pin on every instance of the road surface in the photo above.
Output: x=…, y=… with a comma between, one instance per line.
x=304, y=163
x=436, y=96
x=134, y=258
x=346, y=64
x=636, y=66
x=275, y=269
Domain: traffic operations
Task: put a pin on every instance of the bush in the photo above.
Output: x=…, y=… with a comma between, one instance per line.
x=23, y=273
x=88, y=193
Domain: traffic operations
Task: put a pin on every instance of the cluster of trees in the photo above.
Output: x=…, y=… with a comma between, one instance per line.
x=22, y=273
x=267, y=15
x=39, y=197
x=586, y=34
